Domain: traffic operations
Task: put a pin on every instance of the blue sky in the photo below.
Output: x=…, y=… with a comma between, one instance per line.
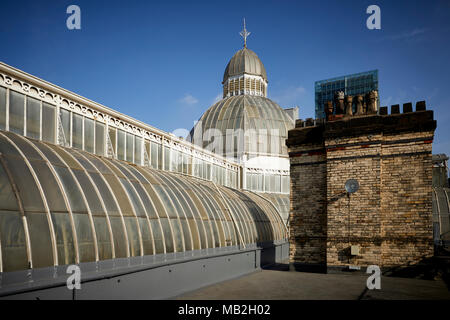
x=163, y=62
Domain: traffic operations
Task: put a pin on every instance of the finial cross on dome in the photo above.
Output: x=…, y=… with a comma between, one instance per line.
x=244, y=34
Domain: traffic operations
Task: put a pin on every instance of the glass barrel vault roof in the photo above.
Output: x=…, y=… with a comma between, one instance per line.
x=61, y=206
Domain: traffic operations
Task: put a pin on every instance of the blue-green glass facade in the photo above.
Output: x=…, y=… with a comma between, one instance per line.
x=357, y=83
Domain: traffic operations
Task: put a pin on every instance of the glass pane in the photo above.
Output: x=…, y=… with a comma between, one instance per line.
x=99, y=138
x=84, y=236
x=272, y=183
x=103, y=238
x=12, y=237
x=208, y=171
x=24, y=145
x=233, y=232
x=50, y=187
x=167, y=234
x=147, y=154
x=195, y=167
x=48, y=121
x=166, y=158
x=77, y=136
x=170, y=209
x=33, y=118
x=41, y=245
x=154, y=155
x=277, y=183
x=176, y=198
x=160, y=210
x=137, y=150
x=174, y=161
x=145, y=200
x=72, y=190
x=187, y=235
x=2, y=108
x=137, y=174
x=122, y=169
x=64, y=154
x=138, y=208
x=112, y=138
x=178, y=235
x=120, y=195
x=105, y=193
x=133, y=236
x=130, y=146
x=16, y=112
x=157, y=236
x=146, y=236
x=208, y=233
x=180, y=162
x=97, y=162
x=7, y=198
x=120, y=243
x=185, y=163
x=215, y=233
x=285, y=184
x=203, y=239
x=89, y=135
x=65, y=122
x=29, y=193
x=64, y=238
x=114, y=168
x=120, y=145
x=195, y=234
x=260, y=182
x=175, y=194
x=160, y=162
x=82, y=160
x=89, y=192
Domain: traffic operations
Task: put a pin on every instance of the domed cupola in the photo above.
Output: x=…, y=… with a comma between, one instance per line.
x=245, y=73
x=245, y=124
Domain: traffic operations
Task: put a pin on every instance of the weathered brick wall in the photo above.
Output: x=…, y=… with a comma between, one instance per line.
x=307, y=233
x=389, y=217
x=354, y=219
x=406, y=198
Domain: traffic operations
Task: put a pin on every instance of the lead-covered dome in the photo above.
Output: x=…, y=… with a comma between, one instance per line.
x=245, y=61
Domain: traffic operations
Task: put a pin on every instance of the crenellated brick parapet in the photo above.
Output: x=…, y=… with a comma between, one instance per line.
x=388, y=221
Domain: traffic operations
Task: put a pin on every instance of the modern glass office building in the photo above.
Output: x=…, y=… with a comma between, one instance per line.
x=352, y=84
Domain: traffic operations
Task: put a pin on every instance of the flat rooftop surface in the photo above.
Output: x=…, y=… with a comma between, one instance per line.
x=280, y=284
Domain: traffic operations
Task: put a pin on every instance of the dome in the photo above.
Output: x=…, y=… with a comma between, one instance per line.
x=264, y=123
x=245, y=61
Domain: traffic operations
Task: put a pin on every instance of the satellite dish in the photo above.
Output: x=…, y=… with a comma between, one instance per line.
x=351, y=185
